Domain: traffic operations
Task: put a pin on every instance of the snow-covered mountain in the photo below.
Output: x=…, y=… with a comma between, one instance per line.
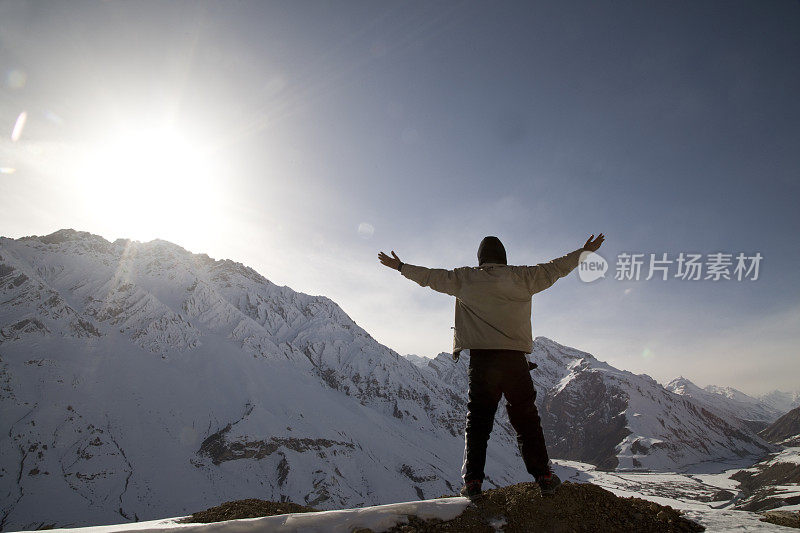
x=418, y=360
x=782, y=401
x=139, y=380
x=729, y=402
x=595, y=413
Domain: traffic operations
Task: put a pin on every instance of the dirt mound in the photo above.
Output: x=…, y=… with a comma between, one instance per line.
x=575, y=507
x=783, y=518
x=518, y=508
x=247, y=509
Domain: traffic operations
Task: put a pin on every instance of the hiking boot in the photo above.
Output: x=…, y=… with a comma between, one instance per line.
x=548, y=483
x=472, y=489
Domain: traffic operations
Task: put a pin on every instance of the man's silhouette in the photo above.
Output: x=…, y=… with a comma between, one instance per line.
x=493, y=321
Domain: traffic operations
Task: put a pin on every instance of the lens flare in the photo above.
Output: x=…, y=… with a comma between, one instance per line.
x=53, y=118
x=19, y=125
x=366, y=230
x=15, y=79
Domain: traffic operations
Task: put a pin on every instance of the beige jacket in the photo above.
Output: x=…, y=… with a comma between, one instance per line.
x=493, y=301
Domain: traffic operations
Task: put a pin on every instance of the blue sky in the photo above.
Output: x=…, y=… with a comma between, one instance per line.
x=669, y=126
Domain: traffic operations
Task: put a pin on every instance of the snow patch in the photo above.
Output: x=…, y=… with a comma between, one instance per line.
x=376, y=518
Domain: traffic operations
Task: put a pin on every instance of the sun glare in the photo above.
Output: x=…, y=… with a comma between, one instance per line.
x=152, y=184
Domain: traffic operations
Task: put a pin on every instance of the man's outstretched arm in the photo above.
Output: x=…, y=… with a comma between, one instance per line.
x=593, y=244
x=438, y=279
x=543, y=275
x=391, y=262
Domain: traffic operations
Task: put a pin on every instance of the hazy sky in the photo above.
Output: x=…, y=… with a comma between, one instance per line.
x=301, y=138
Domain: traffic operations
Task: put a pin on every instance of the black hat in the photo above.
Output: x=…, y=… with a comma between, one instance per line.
x=491, y=250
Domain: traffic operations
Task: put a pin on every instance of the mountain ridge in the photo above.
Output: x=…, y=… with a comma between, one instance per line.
x=727, y=402
x=140, y=379
x=784, y=431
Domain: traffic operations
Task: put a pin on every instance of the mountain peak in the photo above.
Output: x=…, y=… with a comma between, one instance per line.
x=64, y=235
x=681, y=382
x=725, y=400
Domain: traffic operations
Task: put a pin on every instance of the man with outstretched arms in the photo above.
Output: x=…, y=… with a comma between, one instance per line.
x=493, y=321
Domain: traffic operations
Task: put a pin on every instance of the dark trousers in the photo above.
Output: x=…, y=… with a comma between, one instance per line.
x=492, y=373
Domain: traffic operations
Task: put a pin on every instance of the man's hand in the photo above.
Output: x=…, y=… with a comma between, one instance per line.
x=391, y=262
x=593, y=245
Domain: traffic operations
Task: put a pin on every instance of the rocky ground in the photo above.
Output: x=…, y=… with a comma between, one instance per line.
x=517, y=508
x=575, y=507
x=763, y=487
x=783, y=518
x=246, y=509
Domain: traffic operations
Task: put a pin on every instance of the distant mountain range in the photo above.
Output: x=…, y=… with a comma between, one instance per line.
x=781, y=401
x=733, y=403
x=138, y=380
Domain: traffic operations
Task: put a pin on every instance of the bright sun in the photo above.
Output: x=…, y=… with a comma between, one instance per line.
x=152, y=183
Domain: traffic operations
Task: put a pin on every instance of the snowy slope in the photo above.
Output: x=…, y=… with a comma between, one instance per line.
x=373, y=518
x=138, y=380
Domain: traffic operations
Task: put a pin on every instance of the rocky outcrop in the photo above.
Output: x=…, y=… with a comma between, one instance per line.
x=520, y=507
x=767, y=485
x=601, y=408
x=785, y=430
